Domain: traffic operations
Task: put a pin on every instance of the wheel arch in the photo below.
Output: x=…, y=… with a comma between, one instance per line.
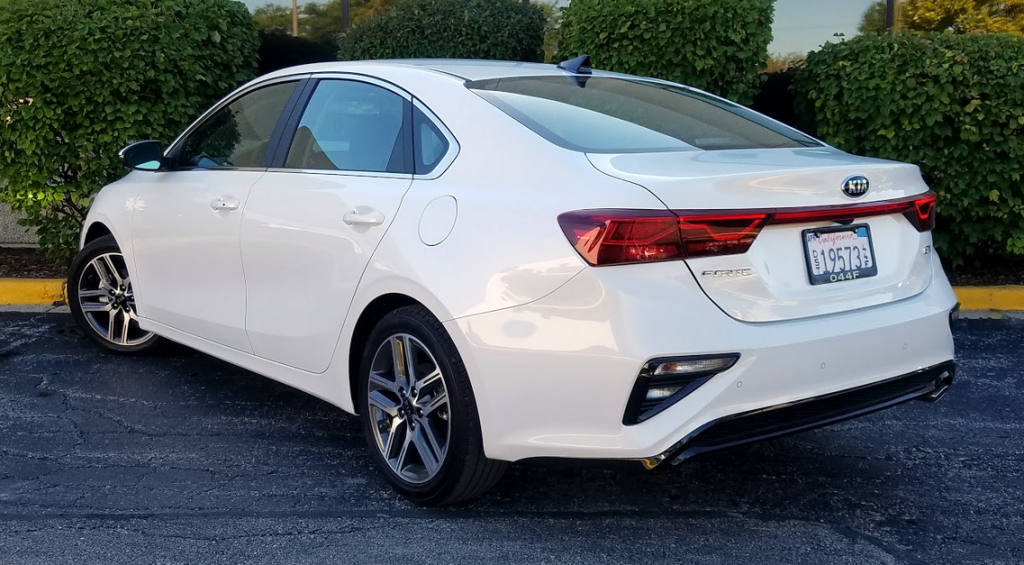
x=94, y=231
x=373, y=313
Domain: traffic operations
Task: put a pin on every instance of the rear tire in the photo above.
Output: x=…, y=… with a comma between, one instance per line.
x=419, y=414
x=102, y=300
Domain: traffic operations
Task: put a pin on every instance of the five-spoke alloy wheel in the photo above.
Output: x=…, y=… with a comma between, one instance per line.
x=102, y=301
x=419, y=413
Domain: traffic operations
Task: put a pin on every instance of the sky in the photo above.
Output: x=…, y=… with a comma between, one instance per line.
x=800, y=25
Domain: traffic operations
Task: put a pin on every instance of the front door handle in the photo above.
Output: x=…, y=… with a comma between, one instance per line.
x=363, y=217
x=224, y=205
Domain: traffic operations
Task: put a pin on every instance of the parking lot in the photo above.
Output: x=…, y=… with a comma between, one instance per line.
x=181, y=458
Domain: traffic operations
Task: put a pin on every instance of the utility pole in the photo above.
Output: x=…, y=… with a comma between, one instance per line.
x=295, y=18
x=890, y=15
x=346, y=15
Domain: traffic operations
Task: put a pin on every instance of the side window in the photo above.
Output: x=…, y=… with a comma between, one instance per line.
x=238, y=134
x=430, y=144
x=352, y=126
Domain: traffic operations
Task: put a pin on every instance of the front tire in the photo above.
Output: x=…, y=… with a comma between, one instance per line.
x=102, y=300
x=419, y=413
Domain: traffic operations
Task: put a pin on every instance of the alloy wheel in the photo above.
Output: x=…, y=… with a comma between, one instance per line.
x=108, y=303
x=408, y=408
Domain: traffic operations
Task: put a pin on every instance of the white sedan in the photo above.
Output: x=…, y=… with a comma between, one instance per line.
x=490, y=262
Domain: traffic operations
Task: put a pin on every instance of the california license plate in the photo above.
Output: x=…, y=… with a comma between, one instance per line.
x=841, y=253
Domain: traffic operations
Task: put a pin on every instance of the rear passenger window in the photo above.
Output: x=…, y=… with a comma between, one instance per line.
x=431, y=145
x=352, y=126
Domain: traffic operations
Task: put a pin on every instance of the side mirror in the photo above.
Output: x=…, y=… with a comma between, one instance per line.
x=143, y=156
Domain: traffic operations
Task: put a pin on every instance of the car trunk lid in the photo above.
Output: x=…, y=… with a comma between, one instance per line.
x=771, y=281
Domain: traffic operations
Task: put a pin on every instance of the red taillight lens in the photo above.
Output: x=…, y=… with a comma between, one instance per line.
x=922, y=213
x=705, y=235
x=613, y=237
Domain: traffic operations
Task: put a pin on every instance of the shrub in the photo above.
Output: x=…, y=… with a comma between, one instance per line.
x=278, y=51
x=716, y=45
x=953, y=104
x=79, y=79
x=467, y=29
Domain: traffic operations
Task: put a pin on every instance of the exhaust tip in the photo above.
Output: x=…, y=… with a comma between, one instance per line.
x=942, y=384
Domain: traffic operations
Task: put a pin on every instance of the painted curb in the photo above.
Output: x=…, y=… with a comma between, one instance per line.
x=1004, y=298
x=973, y=298
x=19, y=292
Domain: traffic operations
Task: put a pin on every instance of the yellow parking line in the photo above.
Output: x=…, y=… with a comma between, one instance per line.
x=31, y=291
x=48, y=291
x=1007, y=298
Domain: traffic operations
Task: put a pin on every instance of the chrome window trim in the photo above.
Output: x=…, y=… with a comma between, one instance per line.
x=339, y=173
x=234, y=95
x=453, y=144
x=203, y=169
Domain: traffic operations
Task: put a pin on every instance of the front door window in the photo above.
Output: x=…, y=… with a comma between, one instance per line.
x=238, y=134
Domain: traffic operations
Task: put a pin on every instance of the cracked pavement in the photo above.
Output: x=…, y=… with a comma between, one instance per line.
x=181, y=458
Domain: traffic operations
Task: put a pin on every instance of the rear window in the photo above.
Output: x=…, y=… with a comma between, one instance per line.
x=618, y=115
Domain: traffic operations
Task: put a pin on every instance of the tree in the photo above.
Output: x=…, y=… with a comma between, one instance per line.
x=460, y=29
x=965, y=16
x=554, y=19
x=958, y=16
x=782, y=62
x=873, y=20
x=80, y=79
x=319, y=22
x=273, y=19
x=715, y=45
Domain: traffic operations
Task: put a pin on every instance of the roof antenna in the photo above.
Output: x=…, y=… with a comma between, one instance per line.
x=578, y=66
x=580, y=69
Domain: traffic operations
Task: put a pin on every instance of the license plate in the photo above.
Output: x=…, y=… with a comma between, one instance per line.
x=842, y=253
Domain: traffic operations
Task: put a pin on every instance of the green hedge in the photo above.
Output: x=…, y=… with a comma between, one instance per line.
x=953, y=104
x=79, y=79
x=716, y=45
x=464, y=29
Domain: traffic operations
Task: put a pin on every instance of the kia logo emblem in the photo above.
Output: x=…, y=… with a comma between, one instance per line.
x=856, y=186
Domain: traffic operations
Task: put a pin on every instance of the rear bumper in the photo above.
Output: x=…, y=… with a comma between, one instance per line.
x=773, y=421
x=552, y=378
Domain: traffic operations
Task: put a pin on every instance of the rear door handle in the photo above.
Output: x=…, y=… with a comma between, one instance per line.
x=225, y=205
x=361, y=217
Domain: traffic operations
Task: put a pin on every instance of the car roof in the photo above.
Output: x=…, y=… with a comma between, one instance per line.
x=462, y=69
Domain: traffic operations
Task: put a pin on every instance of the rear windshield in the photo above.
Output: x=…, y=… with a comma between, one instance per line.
x=619, y=115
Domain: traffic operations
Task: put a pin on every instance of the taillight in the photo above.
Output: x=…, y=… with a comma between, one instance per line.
x=719, y=234
x=615, y=237
x=919, y=210
x=922, y=213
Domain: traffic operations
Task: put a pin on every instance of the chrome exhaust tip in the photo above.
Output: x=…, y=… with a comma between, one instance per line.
x=942, y=384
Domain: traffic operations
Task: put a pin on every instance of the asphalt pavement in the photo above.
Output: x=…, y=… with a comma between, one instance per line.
x=181, y=458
